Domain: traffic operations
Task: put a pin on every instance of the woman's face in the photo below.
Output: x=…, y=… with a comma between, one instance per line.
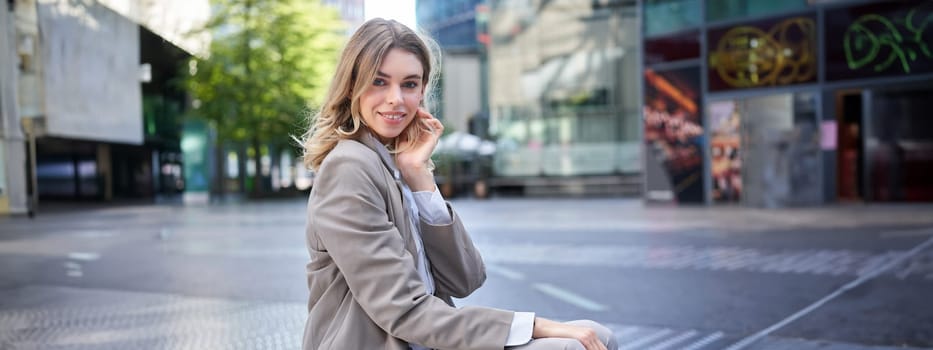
x=391, y=101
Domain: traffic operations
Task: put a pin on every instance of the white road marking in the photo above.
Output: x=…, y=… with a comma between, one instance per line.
x=505, y=272
x=638, y=344
x=93, y=234
x=73, y=269
x=621, y=335
x=83, y=256
x=744, y=343
x=673, y=341
x=569, y=297
x=709, y=339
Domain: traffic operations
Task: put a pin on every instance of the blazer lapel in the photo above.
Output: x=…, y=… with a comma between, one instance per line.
x=389, y=162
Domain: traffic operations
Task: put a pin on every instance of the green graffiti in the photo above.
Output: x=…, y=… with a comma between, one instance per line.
x=872, y=36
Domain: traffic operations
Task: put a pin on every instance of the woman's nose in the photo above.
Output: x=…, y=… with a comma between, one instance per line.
x=394, y=96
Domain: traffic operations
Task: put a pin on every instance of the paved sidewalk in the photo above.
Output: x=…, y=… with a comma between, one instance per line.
x=48, y=317
x=632, y=214
x=66, y=280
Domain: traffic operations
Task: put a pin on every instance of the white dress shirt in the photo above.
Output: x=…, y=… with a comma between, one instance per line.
x=430, y=206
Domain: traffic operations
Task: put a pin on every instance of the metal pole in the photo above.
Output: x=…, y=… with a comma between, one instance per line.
x=29, y=128
x=34, y=202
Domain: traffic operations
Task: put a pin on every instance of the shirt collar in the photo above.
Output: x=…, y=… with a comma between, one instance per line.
x=370, y=141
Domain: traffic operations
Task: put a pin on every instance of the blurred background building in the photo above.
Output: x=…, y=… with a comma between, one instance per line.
x=764, y=103
x=453, y=25
x=352, y=12
x=787, y=103
x=88, y=106
x=757, y=102
x=461, y=95
x=564, y=96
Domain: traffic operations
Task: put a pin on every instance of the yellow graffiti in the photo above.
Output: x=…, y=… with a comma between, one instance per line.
x=747, y=56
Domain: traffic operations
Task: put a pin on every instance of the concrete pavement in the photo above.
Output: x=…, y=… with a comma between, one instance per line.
x=231, y=276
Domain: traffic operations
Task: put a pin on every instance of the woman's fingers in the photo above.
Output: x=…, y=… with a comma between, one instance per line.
x=437, y=126
x=424, y=113
x=591, y=340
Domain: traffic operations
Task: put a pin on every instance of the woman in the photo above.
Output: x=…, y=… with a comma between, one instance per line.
x=387, y=253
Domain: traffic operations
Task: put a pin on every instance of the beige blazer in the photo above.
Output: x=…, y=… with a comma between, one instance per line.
x=365, y=292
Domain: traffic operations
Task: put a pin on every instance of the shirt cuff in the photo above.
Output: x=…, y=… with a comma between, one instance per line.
x=523, y=323
x=432, y=208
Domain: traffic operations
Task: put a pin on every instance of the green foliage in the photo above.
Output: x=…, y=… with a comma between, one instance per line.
x=270, y=63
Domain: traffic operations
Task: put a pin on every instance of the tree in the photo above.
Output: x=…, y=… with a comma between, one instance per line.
x=269, y=64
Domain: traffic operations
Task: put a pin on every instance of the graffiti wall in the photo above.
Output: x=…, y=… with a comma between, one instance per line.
x=673, y=135
x=879, y=39
x=763, y=53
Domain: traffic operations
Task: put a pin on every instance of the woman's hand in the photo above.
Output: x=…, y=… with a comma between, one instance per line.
x=412, y=162
x=545, y=328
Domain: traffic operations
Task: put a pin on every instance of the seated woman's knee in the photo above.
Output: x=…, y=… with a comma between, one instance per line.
x=603, y=333
x=569, y=344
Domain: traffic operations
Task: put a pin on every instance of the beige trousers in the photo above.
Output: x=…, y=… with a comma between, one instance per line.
x=604, y=334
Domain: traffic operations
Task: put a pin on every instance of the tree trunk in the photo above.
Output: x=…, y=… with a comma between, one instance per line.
x=241, y=159
x=275, y=168
x=257, y=168
x=220, y=160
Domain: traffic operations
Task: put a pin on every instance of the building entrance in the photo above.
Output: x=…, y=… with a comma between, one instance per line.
x=849, y=157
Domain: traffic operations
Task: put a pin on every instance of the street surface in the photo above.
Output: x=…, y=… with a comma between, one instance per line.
x=232, y=276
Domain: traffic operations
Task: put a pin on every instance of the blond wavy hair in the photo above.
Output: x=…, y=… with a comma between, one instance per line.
x=339, y=117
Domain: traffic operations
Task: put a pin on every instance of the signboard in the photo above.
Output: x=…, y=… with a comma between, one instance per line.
x=673, y=135
x=725, y=151
x=196, y=153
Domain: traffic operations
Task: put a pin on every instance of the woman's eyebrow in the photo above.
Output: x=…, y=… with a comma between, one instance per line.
x=383, y=75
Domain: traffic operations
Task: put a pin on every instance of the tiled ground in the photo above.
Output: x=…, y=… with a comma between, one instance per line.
x=73, y=318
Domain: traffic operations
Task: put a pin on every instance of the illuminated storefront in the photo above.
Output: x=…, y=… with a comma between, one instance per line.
x=564, y=95
x=787, y=103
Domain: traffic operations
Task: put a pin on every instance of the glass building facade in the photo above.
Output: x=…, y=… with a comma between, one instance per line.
x=452, y=23
x=787, y=103
x=564, y=89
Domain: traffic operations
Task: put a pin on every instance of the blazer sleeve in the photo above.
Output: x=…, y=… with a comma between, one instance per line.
x=350, y=219
x=456, y=264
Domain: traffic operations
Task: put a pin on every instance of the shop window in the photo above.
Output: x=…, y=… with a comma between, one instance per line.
x=727, y=9
x=666, y=16
x=899, y=146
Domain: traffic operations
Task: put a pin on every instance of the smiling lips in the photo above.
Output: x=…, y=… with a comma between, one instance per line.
x=393, y=116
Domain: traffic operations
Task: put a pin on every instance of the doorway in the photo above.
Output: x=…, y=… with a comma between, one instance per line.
x=850, y=149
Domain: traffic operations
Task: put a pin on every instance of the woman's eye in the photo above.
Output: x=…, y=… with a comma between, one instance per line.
x=379, y=82
x=410, y=84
